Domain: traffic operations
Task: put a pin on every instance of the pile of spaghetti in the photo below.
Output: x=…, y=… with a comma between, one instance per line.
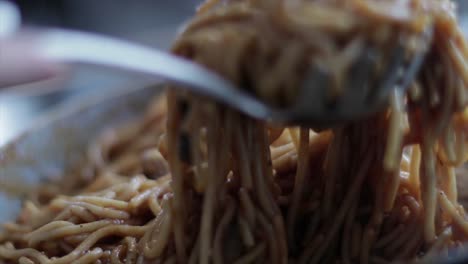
x=196, y=182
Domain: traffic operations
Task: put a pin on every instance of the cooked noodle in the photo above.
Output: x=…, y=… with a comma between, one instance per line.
x=196, y=182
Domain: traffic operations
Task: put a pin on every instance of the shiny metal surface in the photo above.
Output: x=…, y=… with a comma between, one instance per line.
x=361, y=96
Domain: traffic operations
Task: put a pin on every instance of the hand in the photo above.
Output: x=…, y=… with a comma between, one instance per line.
x=19, y=64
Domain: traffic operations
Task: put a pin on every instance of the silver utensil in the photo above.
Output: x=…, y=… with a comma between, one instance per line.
x=361, y=96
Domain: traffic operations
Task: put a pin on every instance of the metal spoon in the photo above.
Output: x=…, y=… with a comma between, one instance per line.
x=363, y=94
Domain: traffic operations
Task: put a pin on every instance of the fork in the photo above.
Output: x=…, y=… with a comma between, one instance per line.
x=363, y=94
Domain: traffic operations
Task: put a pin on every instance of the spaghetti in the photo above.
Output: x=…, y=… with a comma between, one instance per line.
x=196, y=182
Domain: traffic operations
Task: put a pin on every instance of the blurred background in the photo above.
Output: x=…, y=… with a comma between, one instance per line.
x=151, y=22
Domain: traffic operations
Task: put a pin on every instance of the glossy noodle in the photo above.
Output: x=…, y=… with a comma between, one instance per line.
x=196, y=182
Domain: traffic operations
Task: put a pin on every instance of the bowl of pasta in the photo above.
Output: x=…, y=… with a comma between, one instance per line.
x=152, y=176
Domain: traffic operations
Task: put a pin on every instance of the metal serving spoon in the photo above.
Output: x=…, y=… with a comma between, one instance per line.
x=362, y=95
